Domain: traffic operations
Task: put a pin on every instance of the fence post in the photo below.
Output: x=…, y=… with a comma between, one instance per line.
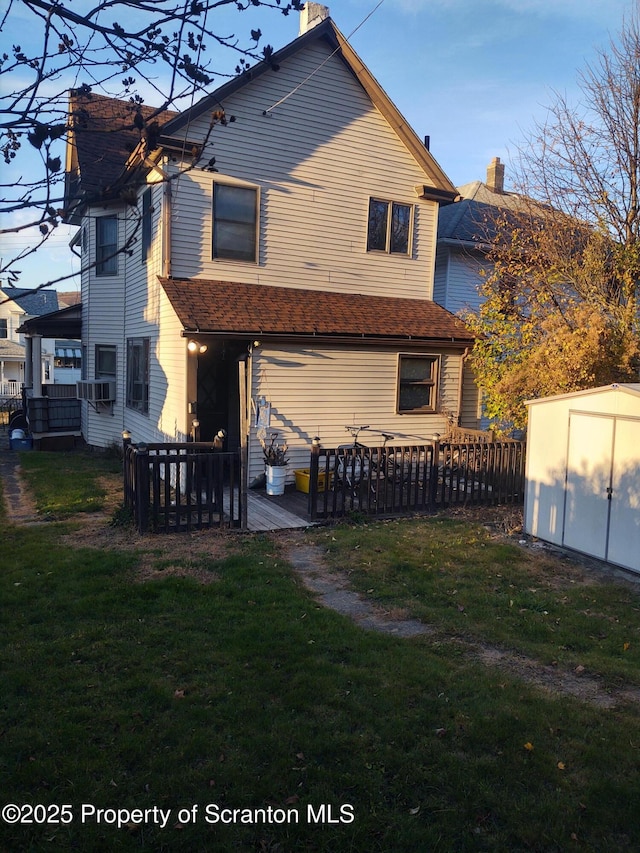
x=435, y=465
x=314, y=467
x=126, y=484
x=142, y=483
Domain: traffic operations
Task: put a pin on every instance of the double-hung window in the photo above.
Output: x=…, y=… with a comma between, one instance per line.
x=235, y=222
x=138, y=374
x=106, y=245
x=4, y=327
x=105, y=366
x=418, y=383
x=389, y=227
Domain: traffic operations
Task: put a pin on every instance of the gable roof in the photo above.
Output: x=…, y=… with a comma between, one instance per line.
x=328, y=32
x=104, y=132
x=32, y=302
x=232, y=308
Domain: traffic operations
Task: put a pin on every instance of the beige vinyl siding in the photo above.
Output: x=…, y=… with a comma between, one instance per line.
x=316, y=169
x=340, y=387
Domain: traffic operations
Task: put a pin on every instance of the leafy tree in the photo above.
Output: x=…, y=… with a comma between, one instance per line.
x=560, y=310
x=168, y=50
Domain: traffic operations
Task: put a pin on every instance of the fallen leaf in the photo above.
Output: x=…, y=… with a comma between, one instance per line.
x=579, y=669
x=528, y=746
x=626, y=647
x=414, y=811
x=178, y=694
x=561, y=765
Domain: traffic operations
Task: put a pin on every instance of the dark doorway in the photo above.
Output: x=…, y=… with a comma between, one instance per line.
x=218, y=393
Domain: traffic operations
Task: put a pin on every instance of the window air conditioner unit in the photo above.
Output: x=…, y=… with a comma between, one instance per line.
x=97, y=390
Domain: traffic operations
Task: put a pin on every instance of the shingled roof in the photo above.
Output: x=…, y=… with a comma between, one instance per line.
x=250, y=309
x=105, y=131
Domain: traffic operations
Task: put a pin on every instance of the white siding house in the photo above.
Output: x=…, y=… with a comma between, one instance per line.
x=16, y=306
x=305, y=252
x=583, y=472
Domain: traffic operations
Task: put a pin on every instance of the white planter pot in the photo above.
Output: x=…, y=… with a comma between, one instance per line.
x=276, y=477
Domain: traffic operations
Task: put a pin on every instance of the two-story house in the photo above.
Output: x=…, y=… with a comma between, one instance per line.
x=283, y=282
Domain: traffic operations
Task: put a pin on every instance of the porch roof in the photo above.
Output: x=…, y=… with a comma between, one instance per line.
x=234, y=308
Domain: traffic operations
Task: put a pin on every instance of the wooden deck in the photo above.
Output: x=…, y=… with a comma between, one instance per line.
x=284, y=512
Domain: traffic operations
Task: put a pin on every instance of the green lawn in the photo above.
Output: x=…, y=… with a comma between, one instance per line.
x=243, y=694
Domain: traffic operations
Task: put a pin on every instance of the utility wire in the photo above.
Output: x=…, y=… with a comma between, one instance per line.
x=322, y=64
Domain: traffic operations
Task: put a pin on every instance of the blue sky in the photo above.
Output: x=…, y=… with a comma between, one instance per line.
x=472, y=75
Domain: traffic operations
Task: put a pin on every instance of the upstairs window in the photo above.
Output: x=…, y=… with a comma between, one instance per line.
x=389, y=227
x=417, y=383
x=235, y=223
x=4, y=328
x=146, y=224
x=106, y=245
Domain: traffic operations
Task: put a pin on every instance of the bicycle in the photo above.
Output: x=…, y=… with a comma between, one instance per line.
x=359, y=465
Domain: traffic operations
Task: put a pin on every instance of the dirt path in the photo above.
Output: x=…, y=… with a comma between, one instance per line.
x=332, y=590
x=20, y=507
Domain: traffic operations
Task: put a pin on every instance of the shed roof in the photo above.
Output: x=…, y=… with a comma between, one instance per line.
x=625, y=387
x=235, y=308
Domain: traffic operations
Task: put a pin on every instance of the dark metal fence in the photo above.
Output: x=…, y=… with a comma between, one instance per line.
x=183, y=486
x=413, y=478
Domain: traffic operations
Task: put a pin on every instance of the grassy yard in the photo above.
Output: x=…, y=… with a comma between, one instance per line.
x=191, y=676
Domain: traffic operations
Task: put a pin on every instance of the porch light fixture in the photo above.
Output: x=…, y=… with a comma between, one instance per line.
x=196, y=347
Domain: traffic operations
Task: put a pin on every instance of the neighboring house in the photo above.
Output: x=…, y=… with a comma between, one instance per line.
x=17, y=305
x=295, y=274
x=464, y=232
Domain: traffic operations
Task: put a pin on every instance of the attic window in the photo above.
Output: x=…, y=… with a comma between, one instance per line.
x=235, y=222
x=389, y=227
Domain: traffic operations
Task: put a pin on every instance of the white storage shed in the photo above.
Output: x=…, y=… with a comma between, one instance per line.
x=583, y=472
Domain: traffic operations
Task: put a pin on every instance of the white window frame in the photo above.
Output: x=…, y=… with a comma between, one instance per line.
x=101, y=373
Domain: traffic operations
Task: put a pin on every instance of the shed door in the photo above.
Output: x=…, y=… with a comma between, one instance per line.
x=624, y=530
x=586, y=516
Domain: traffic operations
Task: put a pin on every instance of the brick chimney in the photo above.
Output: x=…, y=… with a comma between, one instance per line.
x=495, y=175
x=311, y=15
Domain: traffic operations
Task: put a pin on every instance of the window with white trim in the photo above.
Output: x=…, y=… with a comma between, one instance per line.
x=235, y=222
x=389, y=227
x=106, y=245
x=105, y=365
x=418, y=383
x=138, y=374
